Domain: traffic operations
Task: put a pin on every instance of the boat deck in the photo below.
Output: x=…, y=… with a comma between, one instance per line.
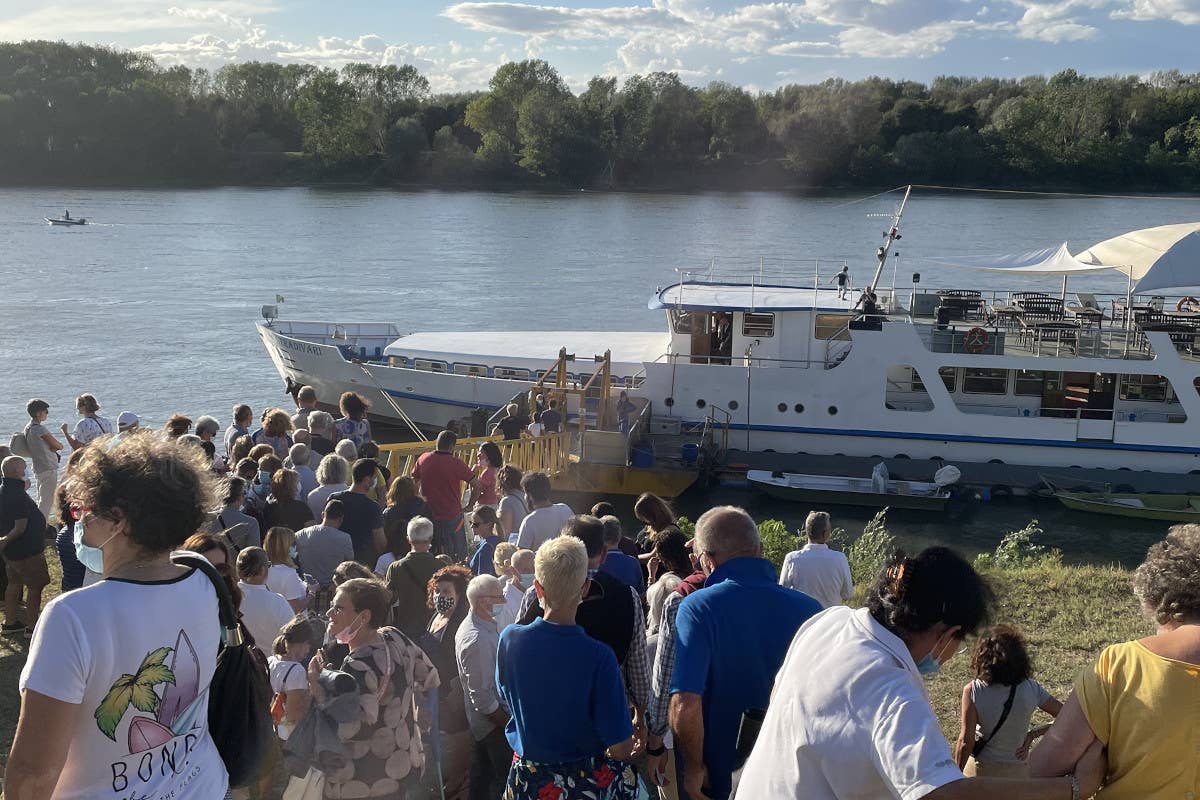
x=1047, y=342
x=530, y=348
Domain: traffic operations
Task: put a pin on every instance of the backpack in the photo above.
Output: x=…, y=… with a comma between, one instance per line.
x=19, y=445
x=239, y=696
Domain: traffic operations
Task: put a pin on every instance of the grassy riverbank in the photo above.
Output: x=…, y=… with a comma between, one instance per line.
x=1068, y=613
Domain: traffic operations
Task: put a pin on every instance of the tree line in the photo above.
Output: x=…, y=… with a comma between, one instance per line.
x=80, y=114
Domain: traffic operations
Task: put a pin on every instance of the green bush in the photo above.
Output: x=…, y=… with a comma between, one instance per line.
x=871, y=551
x=1018, y=549
x=776, y=541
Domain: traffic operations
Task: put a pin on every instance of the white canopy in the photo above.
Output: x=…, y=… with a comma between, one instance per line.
x=1166, y=257
x=1048, y=261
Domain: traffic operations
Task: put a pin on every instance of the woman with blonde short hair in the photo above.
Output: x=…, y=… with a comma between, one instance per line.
x=282, y=576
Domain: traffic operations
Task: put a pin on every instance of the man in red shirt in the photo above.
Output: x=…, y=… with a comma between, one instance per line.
x=439, y=476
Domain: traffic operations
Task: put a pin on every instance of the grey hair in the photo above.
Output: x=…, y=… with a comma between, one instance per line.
x=207, y=424
x=347, y=450
x=299, y=454
x=523, y=557
x=612, y=530
x=482, y=585
x=320, y=421
x=817, y=525
x=190, y=439
x=1166, y=584
x=420, y=529
x=333, y=469
x=726, y=531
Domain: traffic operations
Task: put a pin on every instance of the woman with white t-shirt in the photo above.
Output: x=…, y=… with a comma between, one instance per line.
x=995, y=736
x=117, y=679
x=90, y=426
x=282, y=577
x=850, y=717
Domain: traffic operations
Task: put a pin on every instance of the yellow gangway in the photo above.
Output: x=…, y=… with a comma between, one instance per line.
x=550, y=453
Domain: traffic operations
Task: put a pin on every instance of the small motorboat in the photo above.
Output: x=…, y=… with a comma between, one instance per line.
x=1164, y=507
x=65, y=220
x=877, y=491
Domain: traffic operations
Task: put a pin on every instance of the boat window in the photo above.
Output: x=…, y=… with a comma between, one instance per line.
x=832, y=326
x=429, y=366
x=985, y=381
x=397, y=361
x=478, y=370
x=681, y=321
x=511, y=373
x=1031, y=382
x=762, y=325
x=1144, y=388
x=947, y=374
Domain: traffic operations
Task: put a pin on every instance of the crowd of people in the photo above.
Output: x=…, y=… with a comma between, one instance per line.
x=462, y=633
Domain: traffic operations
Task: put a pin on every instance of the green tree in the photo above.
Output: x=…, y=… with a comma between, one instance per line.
x=384, y=94
x=326, y=108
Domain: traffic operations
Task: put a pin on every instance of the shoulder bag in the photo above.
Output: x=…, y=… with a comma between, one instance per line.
x=239, y=697
x=1008, y=704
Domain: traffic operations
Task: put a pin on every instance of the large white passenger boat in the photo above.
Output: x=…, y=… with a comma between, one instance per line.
x=1019, y=378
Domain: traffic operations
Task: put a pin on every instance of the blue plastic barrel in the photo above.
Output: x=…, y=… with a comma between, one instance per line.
x=642, y=457
x=690, y=452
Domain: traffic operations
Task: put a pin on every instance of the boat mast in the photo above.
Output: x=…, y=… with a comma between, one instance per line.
x=892, y=235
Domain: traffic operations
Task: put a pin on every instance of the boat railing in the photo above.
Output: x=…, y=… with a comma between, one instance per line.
x=740, y=362
x=837, y=347
x=1045, y=340
x=712, y=424
x=549, y=453
x=776, y=271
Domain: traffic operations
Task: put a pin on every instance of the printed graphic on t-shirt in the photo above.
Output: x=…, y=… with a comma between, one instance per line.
x=163, y=741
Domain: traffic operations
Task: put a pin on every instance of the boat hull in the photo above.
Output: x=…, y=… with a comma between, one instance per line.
x=65, y=222
x=1102, y=504
x=822, y=495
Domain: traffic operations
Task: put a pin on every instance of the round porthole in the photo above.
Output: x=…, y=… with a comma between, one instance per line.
x=733, y=405
x=798, y=408
x=701, y=403
x=782, y=407
x=670, y=401
x=832, y=411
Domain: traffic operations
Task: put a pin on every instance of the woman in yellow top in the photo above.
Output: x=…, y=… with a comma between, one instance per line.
x=1141, y=698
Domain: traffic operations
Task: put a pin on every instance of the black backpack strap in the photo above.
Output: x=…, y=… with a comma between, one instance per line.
x=1008, y=704
x=225, y=607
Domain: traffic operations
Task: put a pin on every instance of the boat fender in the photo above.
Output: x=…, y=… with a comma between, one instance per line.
x=976, y=340
x=1187, y=301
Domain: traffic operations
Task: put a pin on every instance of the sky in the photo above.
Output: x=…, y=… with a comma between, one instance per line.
x=760, y=46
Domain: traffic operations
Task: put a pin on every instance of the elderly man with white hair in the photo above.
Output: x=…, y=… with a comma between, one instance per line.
x=475, y=652
x=519, y=582
x=300, y=454
x=571, y=726
x=409, y=577
x=320, y=432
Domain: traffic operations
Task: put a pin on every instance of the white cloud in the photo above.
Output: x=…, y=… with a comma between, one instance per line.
x=73, y=21
x=1058, y=20
x=804, y=49
x=1184, y=12
x=921, y=43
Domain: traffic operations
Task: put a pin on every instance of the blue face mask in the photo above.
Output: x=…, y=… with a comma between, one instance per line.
x=262, y=487
x=929, y=665
x=90, y=557
x=292, y=551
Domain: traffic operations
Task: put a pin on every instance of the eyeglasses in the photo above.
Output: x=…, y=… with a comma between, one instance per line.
x=79, y=512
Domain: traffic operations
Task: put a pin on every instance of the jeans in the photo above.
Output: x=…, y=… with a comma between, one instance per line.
x=449, y=537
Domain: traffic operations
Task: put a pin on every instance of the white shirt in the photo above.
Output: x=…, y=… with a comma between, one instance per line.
x=89, y=428
x=284, y=581
x=91, y=640
x=286, y=676
x=507, y=614
x=264, y=613
x=543, y=524
x=820, y=573
x=864, y=731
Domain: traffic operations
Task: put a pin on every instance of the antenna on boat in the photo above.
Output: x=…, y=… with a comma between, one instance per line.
x=890, y=237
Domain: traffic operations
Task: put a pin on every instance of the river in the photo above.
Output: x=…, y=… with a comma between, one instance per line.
x=151, y=307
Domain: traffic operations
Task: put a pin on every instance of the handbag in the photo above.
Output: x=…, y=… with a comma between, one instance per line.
x=279, y=701
x=1008, y=704
x=239, y=696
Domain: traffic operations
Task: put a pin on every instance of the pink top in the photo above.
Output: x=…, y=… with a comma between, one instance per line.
x=487, y=488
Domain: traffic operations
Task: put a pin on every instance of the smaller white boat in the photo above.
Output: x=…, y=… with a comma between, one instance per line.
x=65, y=220
x=877, y=491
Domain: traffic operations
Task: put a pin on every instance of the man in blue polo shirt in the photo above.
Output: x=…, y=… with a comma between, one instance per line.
x=731, y=638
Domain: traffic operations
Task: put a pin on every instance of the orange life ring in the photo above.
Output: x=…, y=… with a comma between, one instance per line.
x=976, y=341
x=1187, y=301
